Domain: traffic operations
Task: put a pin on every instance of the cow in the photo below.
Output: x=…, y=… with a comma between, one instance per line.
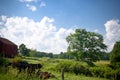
x=25, y=66
x=31, y=68
x=44, y=75
x=20, y=65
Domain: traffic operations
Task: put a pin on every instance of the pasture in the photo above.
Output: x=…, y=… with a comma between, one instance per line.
x=51, y=66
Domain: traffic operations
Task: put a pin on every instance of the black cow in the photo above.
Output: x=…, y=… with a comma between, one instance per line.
x=32, y=68
x=20, y=65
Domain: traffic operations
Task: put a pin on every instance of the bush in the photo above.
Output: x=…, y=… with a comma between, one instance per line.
x=113, y=74
x=16, y=59
x=73, y=67
x=3, y=61
x=91, y=64
x=64, y=65
x=99, y=71
x=77, y=68
x=3, y=65
x=109, y=75
x=115, y=55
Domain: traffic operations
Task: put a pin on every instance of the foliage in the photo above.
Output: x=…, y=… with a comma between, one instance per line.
x=52, y=65
x=85, y=45
x=3, y=61
x=73, y=67
x=24, y=50
x=68, y=76
x=16, y=59
x=99, y=71
x=105, y=56
x=115, y=55
x=3, y=65
x=63, y=55
x=91, y=64
x=35, y=53
x=113, y=74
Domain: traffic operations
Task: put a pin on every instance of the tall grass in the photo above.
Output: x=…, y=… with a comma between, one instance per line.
x=49, y=65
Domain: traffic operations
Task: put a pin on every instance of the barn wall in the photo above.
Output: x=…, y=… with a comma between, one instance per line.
x=1, y=48
x=8, y=50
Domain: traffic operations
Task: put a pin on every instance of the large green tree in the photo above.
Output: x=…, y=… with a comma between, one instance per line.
x=115, y=55
x=24, y=50
x=85, y=45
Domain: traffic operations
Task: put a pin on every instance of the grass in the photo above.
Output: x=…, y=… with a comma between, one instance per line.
x=102, y=63
x=68, y=76
x=49, y=66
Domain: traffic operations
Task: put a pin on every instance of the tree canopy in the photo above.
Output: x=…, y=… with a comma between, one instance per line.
x=23, y=50
x=85, y=45
x=115, y=55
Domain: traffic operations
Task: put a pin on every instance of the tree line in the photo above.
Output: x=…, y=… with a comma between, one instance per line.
x=82, y=45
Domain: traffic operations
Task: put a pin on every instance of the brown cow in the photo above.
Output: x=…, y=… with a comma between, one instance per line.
x=44, y=75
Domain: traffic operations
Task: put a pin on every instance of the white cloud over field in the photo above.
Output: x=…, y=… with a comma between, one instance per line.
x=31, y=7
x=112, y=28
x=42, y=35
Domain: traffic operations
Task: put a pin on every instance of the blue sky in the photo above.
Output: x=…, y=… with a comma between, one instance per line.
x=67, y=14
x=91, y=14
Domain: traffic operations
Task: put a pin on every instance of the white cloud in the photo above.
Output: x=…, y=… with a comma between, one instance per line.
x=96, y=30
x=4, y=17
x=28, y=0
x=31, y=7
x=42, y=4
x=112, y=28
x=42, y=35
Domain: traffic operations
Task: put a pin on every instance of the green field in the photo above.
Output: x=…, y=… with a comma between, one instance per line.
x=49, y=65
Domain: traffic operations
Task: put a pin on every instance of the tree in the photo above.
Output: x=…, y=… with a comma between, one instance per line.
x=23, y=50
x=50, y=55
x=115, y=55
x=105, y=56
x=85, y=45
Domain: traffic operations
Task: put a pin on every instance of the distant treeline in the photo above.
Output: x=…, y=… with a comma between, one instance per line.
x=24, y=51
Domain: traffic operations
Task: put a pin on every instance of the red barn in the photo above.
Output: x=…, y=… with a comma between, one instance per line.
x=7, y=48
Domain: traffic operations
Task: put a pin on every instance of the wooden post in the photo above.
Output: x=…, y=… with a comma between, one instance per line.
x=62, y=73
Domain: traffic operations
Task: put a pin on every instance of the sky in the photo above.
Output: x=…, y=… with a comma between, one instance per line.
x=44, y=24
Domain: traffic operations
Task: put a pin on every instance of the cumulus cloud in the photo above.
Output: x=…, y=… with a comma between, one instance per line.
x=42, y=4
x=31, y=7
x=42, y=35
x=96, y=30
x=112, y=28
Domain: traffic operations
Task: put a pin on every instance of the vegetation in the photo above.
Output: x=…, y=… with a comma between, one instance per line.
x=78, y=71
x=23, y=50
x=115, y=55
x=85, y=45
x=92, y=62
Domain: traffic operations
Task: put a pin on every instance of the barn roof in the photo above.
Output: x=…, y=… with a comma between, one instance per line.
x=6, y=41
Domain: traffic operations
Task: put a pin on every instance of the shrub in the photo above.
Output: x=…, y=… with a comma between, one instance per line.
x=91, y=64
x=113, y=74
x=73, y=67
x=115, y=55
x=3, y=65
x=3, y=61
x=16, y=59
x=99, y=71
x=64, y=65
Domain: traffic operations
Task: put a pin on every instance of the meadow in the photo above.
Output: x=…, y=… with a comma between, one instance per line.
x=53, y=66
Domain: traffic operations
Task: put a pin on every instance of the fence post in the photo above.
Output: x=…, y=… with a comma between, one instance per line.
x=62, y=73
